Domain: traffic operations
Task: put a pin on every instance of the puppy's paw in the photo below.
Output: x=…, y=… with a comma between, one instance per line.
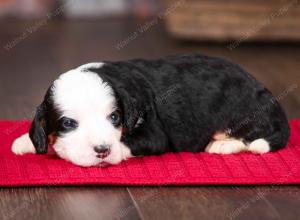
x=259, y=146
x=23, y=145
x=226, y=146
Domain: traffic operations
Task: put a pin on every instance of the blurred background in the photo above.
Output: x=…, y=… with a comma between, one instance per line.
x=41, y=39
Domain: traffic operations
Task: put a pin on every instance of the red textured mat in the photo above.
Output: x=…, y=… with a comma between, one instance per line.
x=279, y=168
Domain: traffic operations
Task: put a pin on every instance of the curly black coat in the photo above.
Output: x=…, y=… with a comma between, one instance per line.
x=179, y=102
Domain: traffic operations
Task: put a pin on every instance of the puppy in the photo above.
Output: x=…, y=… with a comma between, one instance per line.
x=103, y=113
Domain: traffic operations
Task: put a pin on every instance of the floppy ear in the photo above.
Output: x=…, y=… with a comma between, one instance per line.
x=131, y=108
x=38, y=132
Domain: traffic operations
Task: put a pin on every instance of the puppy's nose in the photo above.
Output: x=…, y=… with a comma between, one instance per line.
x=102, y=150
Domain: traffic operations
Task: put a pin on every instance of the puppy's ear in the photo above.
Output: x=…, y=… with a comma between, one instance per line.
x=131, y=108
x=38, y=131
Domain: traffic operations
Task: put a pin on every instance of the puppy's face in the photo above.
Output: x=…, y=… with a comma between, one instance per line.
x=81, y=112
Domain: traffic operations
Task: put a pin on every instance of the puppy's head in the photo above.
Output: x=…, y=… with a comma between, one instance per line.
x=84, y=119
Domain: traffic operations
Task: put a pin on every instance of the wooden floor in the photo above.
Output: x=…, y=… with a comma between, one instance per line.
x=37, y=58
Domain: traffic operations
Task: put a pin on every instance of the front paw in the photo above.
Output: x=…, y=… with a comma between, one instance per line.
x=23, y=145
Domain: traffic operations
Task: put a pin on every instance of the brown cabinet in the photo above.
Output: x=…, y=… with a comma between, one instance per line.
x=225, y=20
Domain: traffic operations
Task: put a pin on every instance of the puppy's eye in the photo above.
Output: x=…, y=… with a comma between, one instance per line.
x=69, y=123
x=115, y=118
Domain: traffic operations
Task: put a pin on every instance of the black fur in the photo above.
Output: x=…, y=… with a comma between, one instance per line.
x=185, y=99
x=38, y=131
x=46, y=121
x=178, y=103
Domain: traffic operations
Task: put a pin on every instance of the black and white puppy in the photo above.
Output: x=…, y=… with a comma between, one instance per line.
x=103, y=113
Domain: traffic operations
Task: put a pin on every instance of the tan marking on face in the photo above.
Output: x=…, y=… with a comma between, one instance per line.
x=51, y=138
x=220, y=136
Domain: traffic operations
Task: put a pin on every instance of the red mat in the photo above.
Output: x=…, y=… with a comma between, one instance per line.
x=279, y=168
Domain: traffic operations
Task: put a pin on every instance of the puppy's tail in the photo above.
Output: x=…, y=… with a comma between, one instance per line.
x=275, y=138
x=281, y=129
x=276, y=141
x=280, y=137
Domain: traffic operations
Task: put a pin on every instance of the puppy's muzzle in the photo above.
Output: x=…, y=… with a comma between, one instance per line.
x=102, y=151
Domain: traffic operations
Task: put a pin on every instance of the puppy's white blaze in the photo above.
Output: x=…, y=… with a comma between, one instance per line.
x=259, y=146
x=82, y=92
x=84, y=97
x=23, y=145
x=90, y=66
